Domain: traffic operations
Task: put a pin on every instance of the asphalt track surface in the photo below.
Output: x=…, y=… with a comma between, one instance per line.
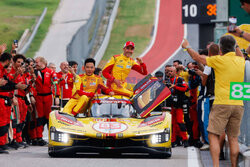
x=37, y=156
x=68, y=18
x=170, y=33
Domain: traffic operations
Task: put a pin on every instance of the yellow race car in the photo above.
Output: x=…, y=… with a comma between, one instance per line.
x=116, y=125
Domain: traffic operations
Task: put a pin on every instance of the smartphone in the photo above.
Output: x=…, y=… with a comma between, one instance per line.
x=16, y=43
x=232, y=21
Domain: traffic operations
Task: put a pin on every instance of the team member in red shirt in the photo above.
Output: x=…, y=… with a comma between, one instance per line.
x=178, y=89
x=5, y=103
x=21, y=107
x=32, y=108
x=44, y=79
x=65, y=79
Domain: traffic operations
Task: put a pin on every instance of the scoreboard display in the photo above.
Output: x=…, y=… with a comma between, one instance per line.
x=198, y=11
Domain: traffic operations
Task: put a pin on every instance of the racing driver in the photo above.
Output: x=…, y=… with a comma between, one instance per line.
x=85, y=88
x=118, y=67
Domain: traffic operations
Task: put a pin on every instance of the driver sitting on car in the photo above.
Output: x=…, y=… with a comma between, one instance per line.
x=85, y=87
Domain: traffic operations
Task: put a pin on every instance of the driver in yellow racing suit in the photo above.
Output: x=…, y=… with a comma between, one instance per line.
x=118, y=67
x=85, y=87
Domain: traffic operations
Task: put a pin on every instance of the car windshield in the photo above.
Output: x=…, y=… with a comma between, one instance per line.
x=112, y=110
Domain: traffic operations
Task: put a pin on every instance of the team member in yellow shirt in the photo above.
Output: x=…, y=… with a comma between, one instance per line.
x=85, y=87
x=118, y=68
x=226, y=113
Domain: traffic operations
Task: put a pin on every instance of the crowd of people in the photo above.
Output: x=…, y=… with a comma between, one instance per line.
x=202, y=112
x=30, y=88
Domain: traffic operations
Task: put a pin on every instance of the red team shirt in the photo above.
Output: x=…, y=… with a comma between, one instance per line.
x=66, y=84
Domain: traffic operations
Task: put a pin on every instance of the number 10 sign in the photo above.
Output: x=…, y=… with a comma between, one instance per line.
x=240, y=90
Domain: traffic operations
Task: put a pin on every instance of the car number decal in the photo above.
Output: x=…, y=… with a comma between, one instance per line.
x=109, y=127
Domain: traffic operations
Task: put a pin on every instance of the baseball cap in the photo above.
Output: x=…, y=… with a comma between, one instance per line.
x=129, y=43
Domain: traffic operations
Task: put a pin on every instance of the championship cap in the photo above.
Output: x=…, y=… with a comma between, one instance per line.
x=129, y=43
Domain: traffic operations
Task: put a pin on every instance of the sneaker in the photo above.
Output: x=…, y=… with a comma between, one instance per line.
x=205, y=147
x=190, y=142
x=41, y=142
x=185, y=143
x=34, y=142
x=23, y=144
x=198, y=144
x=14, y=145
x=19, y=145
x=174, y=144
x=179, y=141
x=3, y=151
x=4, y=147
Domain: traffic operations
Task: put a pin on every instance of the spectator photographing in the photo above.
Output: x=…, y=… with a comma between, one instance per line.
x=226, y=113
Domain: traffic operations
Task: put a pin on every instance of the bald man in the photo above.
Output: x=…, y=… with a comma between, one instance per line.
x=44, y=79
x=178, y=88
x=66, y=80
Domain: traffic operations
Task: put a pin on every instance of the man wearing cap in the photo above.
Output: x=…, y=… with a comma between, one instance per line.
x=118, y=68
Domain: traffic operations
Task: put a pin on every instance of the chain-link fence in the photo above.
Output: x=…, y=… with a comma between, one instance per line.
x=82, y=42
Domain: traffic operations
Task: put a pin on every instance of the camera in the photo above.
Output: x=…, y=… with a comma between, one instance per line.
x=192, y=72
x=232, y=21
x=168, y=82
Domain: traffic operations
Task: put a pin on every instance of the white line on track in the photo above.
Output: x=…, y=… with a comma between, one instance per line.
x=193, y=157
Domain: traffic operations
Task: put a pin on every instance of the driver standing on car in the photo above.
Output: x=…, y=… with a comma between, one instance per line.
x=118, y=67
x=85, y=87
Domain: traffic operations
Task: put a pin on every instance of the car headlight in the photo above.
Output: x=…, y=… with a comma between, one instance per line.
x=156, y=138
x=160, y=138
x=58, y=136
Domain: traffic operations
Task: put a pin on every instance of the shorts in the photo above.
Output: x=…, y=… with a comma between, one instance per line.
x=225, y=118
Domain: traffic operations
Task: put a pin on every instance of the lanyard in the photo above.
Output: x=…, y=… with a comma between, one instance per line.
x=175, y=78
x=66, y=78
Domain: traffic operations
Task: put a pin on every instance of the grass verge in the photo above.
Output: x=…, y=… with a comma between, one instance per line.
x=18, y=15
x=134, y=22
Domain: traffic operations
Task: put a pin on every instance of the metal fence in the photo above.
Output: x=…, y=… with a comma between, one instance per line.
x=245, y=124
x=82, y=42
x=25, y=48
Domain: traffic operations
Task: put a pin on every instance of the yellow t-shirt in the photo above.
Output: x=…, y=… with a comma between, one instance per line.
x=185, y=76
x=227, y=68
